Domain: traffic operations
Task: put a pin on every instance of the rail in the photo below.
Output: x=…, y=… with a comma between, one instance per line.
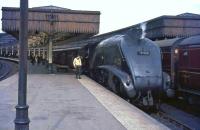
x=10, y=59
x=172, y=120
x=4, y=70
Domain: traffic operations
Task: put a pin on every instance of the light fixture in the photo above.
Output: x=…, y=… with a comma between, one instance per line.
x=176, y=51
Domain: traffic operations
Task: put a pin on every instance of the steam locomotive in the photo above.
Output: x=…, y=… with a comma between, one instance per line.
x=127, y=65
x=181, y=61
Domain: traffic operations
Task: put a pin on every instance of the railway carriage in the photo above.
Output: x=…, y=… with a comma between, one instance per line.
x=181, y=61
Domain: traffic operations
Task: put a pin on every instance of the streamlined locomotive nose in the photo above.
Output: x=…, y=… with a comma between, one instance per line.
x=144, y=60
x=145, y=83
x=151, y=79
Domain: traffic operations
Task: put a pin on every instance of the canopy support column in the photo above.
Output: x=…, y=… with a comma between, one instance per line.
x=50, y=55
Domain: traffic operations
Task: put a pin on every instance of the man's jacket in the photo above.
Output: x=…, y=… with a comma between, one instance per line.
x=77, y=62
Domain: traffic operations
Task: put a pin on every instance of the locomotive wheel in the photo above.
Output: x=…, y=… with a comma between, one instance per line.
x=95, y=75
x=118, y=85
x=111, y=85
x=119, y=88
x=102, y=77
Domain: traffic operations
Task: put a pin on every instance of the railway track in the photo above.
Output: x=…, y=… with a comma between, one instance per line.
x=171, y=122
x=176, y=119
x=5, y=69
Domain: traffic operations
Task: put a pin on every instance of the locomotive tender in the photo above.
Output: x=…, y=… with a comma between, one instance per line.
x=181, y=61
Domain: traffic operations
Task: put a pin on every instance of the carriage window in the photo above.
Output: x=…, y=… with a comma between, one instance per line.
x=185, y=53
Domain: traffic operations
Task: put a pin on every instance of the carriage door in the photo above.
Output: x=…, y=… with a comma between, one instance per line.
x=183, y=67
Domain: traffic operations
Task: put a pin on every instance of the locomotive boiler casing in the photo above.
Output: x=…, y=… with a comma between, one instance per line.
x=142, y=70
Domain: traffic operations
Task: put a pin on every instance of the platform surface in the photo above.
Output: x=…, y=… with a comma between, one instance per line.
x=60, y=102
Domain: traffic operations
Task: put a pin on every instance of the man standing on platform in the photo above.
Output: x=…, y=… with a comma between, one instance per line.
x=77, y=65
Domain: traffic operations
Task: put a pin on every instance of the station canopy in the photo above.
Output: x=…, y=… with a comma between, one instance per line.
x=59, y=23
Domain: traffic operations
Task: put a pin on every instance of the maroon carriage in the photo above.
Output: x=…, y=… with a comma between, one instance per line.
x=181, y=59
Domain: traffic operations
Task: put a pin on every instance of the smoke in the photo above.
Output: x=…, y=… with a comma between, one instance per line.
x=143, y=27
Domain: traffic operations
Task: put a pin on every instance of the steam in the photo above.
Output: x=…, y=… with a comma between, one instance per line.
x=143, y=27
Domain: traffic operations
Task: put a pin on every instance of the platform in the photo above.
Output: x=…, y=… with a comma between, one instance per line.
x=60, y=102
